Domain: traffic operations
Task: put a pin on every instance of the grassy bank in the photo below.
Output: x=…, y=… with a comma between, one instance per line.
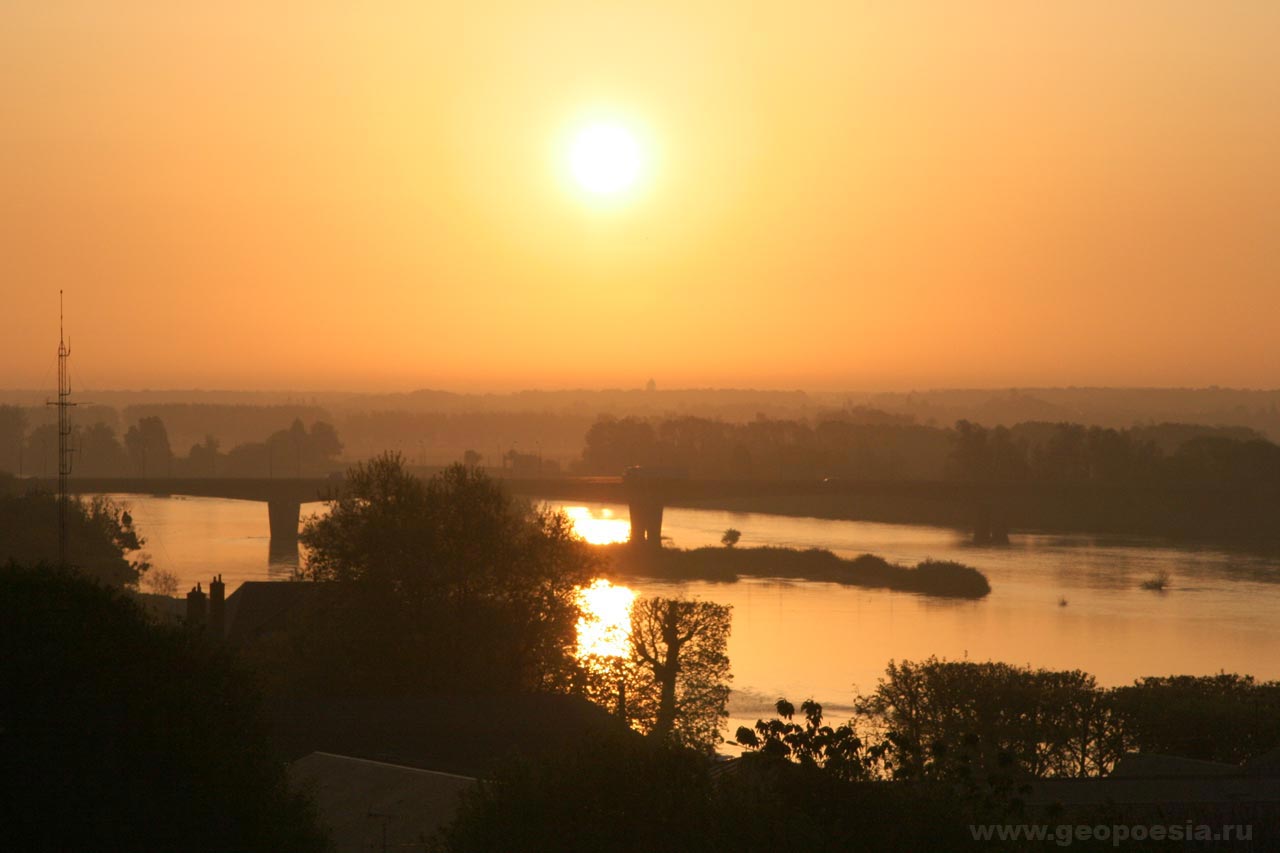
x=1209, y=514
x=726, y=565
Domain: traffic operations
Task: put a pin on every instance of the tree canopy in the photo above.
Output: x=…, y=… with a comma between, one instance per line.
x=447, y=583
x=102, y=542
x=147, y=443
x=681, y=685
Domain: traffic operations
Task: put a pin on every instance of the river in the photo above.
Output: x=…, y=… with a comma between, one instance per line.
x=1220, y=610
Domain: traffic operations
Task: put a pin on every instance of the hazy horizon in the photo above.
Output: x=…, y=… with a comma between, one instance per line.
x=517, y=390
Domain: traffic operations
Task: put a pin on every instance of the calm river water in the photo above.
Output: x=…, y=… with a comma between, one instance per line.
x=1220, y=611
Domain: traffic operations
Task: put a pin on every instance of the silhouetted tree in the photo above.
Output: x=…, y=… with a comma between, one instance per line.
x=982, y=455
x=203, y=459
x=101, y=540
x=1064, y=458
x=443, y=584
x=41, y=453
x=697, y=445
x=99, y=452
x=868, y=445
x=837, y=750
x=162, y=582
x=298, y=451
x=248, y=460
x=955, y=745
x=287, y=450
x=121, y=734
x=642, y=795
x=613, y=445
x=1225, y=717
x=323, y=445
x=13, y=432
x=730, y=537
x=1216, y=461
x=963, y=718
x=1120, y=457
x=682, y=688
x=147, y=442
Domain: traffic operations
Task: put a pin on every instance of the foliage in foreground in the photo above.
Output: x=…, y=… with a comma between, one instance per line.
x=101, y=540
x=439, y=585
x=449, y=585
x=939, y=747
x=937, y=719
x=642, y=796
x=117, y=733
x=681, y=688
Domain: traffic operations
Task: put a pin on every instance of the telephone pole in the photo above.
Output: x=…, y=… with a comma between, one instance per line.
x=64, y=405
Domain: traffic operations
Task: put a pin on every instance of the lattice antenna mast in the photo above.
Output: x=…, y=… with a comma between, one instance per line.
x=65, y=450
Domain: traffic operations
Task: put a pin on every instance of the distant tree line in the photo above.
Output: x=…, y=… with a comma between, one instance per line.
x=853, y=443
x=1071, y=453
x=298, y=451
x=866, y=445
x=526, y=443
x=145, y=450
x=859, y=443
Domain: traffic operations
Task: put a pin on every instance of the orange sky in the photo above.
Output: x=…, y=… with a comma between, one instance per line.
x=856, y=195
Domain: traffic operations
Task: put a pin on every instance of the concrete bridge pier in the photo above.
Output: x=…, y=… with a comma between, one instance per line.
x=283, y=515
x=991, y=526
x=646, y=521
x=283, y=559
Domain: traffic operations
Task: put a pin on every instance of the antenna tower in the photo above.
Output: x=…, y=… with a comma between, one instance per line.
x=64, y=405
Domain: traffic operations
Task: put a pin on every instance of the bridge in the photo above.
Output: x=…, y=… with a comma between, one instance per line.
x=980, y=507
x=284, y=497
x=987, y=510
x=646, y=496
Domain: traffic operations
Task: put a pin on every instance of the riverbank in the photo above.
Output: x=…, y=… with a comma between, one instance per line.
x=726, y=565
x=1200, y=515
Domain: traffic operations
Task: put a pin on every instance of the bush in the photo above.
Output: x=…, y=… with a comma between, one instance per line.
x=1157, y=583
x=101, y=539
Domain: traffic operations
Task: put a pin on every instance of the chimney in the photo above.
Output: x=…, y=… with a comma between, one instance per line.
x=197, y=608
x=217, y=608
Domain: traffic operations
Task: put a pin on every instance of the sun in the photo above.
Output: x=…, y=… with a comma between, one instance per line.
x=605, y=158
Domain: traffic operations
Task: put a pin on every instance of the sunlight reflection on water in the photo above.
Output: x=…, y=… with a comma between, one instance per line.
x=1217, y=614
x=605, y=624
x=599, y=526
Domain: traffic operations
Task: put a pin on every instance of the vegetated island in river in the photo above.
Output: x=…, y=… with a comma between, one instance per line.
x=725, y=565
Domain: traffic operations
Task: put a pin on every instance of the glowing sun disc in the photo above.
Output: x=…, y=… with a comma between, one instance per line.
x=605, y=159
